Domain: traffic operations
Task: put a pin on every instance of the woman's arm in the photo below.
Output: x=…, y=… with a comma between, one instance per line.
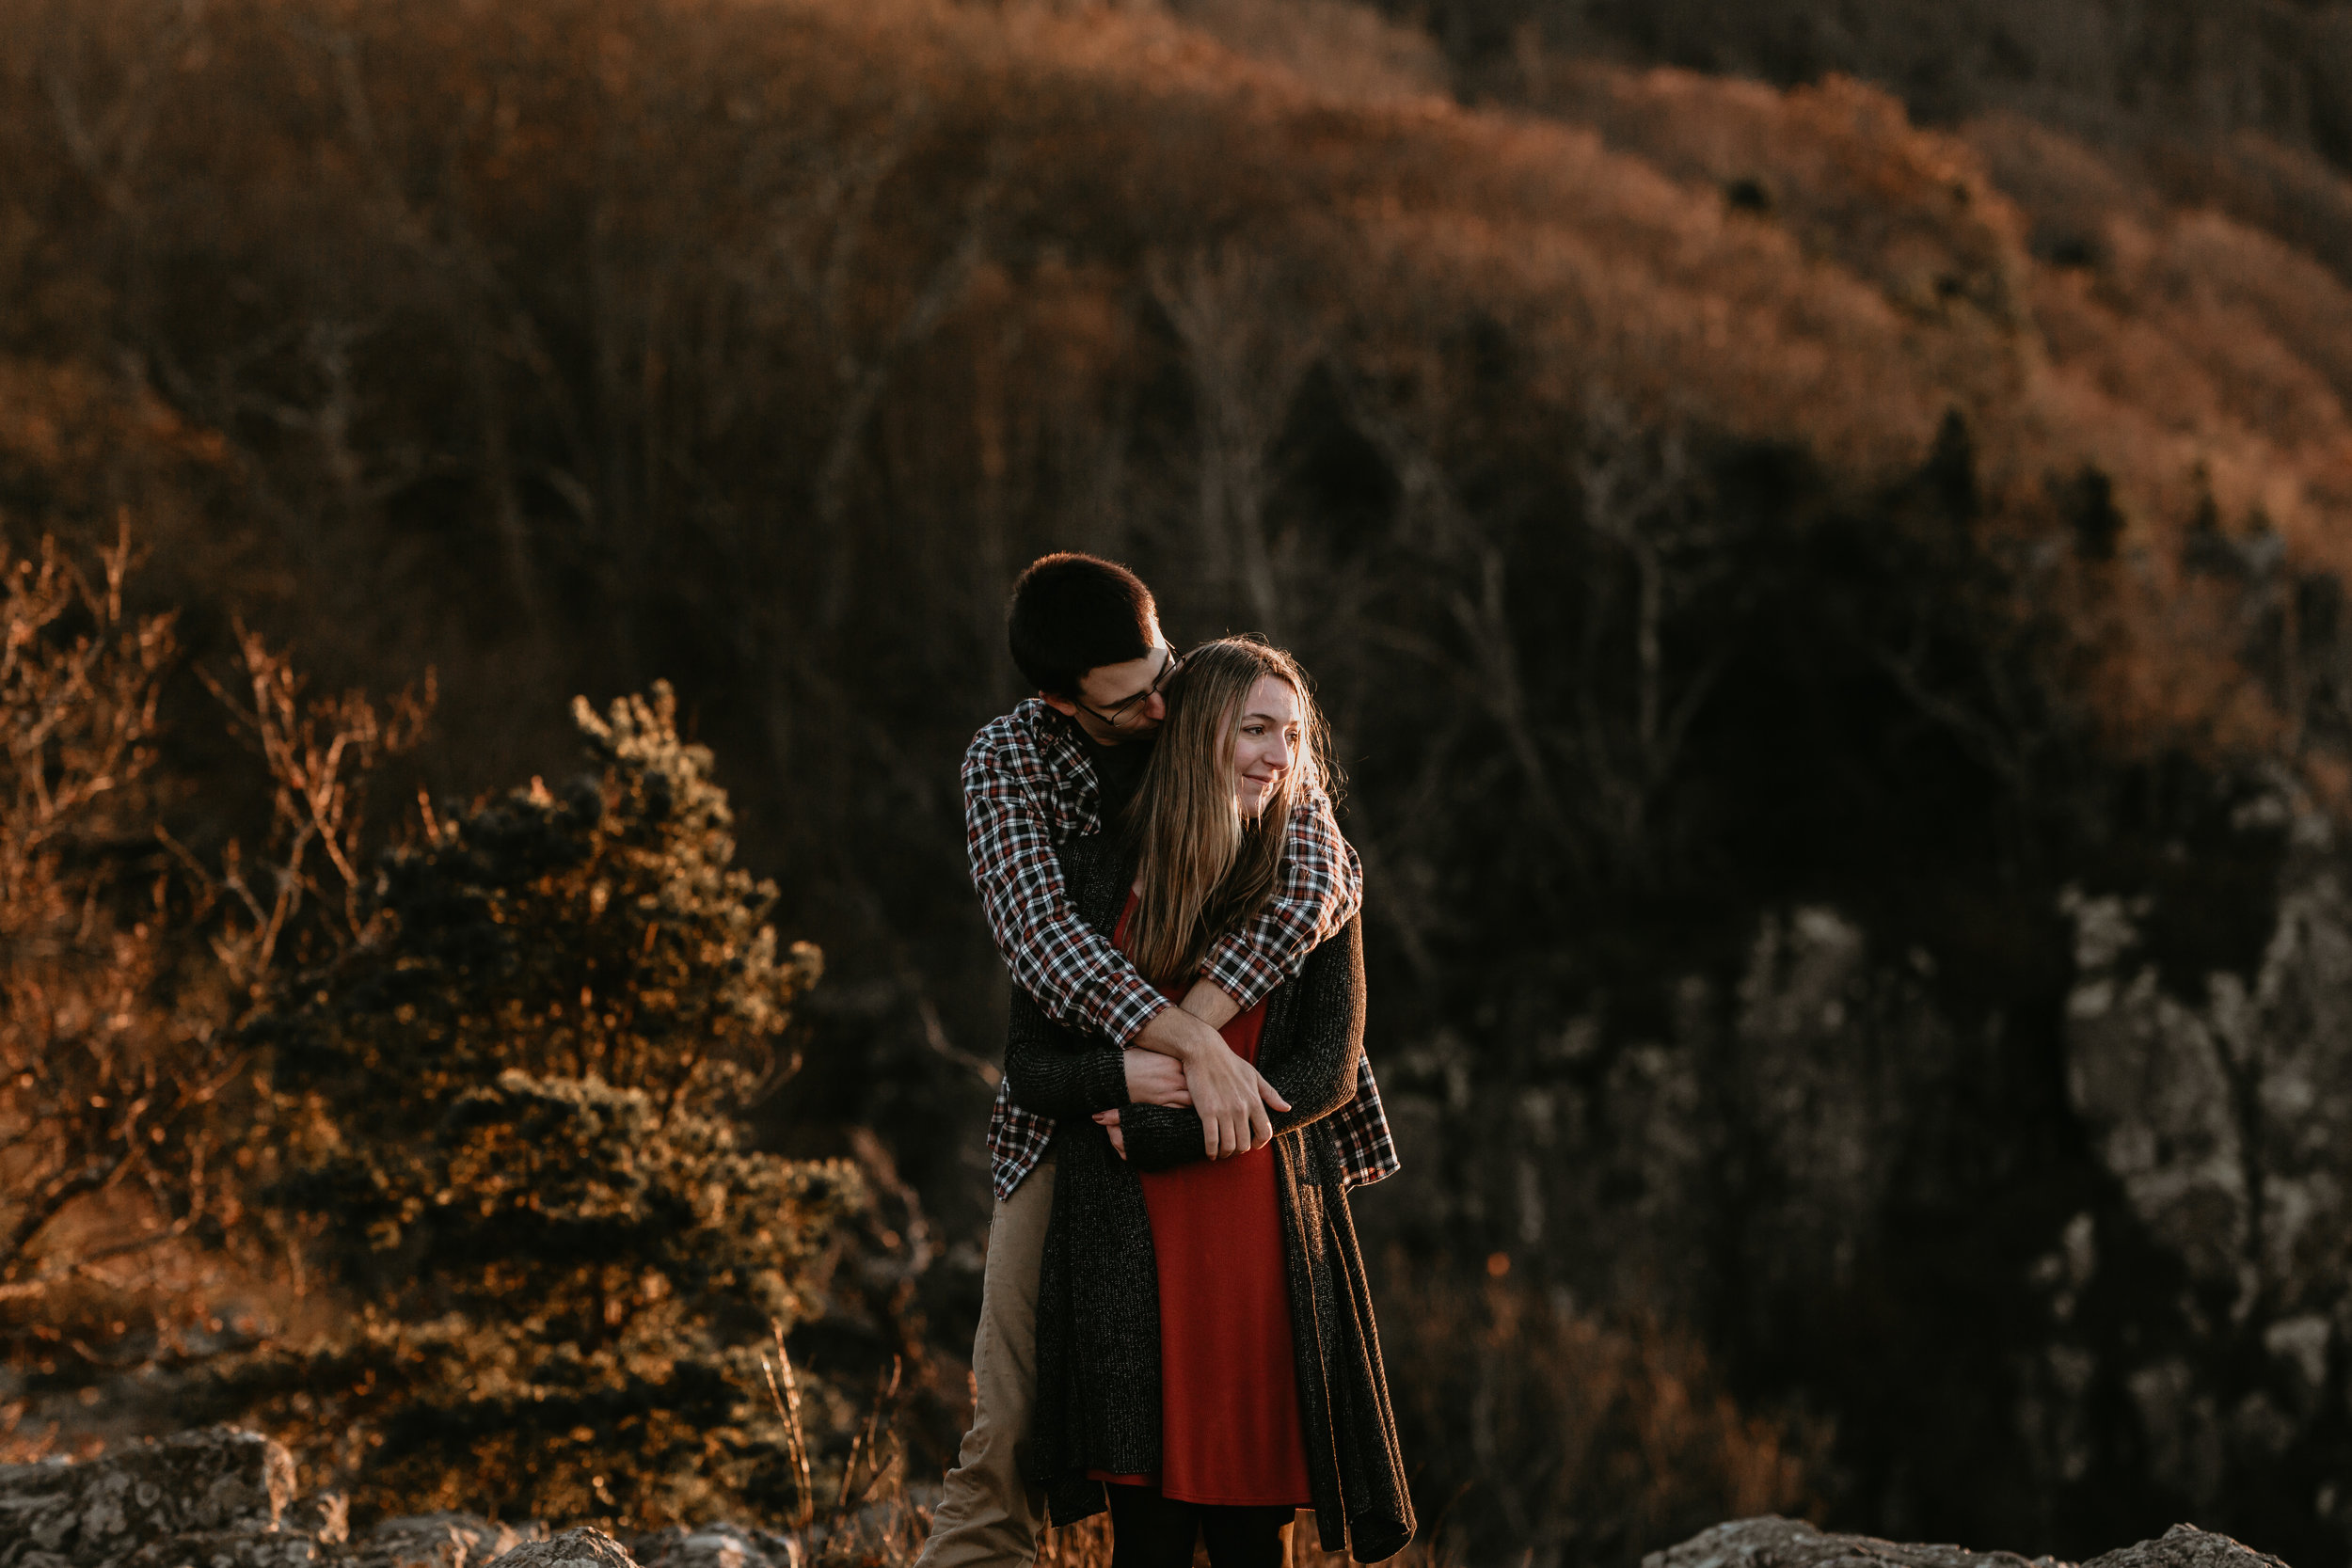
x=1317, y=1073
x=1058, y=1072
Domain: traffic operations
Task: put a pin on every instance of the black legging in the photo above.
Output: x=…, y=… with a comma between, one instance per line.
x=1149, y=1531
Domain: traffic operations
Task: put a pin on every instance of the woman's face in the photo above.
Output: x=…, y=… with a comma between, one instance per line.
x=1265, y=744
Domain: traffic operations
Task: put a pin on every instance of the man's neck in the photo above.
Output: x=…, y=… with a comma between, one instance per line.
x=1093, y=732
x=1119, y=771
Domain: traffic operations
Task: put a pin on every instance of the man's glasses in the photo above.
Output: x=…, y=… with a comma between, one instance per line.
x=1119, y=712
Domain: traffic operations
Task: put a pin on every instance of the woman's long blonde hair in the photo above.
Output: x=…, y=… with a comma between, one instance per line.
x=1204, y=870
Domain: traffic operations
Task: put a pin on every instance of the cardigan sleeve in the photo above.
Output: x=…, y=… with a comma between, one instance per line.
x=1058, y=1072
x=1317, y=1073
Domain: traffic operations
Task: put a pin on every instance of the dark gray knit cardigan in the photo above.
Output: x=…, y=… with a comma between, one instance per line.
x=1098, y=1320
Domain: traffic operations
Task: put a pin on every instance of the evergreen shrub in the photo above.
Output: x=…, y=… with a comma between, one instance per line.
x=552, y=1265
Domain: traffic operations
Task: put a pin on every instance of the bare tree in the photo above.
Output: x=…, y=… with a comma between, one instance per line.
x=118, y=1049
x=317, y=753
x=96, y=1092
x=1462, y=552
x=1640, y=499
x=1247, y=355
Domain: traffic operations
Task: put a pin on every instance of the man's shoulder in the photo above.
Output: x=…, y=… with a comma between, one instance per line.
x=1030, y=733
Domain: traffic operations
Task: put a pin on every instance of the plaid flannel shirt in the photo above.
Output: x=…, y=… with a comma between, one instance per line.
x=1028, y=788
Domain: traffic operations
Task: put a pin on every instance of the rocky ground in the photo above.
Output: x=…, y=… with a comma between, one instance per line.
x=222, y=1498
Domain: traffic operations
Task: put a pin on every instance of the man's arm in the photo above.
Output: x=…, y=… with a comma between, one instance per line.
x=1318, y=1070
x=1079, y=979
x=1321, y=887
x=1072, y=970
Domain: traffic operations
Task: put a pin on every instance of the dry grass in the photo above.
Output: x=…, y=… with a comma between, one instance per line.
x=1562, y=1434
x=1538, y=1432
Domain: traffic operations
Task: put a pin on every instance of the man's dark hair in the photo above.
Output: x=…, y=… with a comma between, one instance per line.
x=1072, y=614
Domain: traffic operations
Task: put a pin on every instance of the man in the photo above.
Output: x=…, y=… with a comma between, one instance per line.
x=1086, y=635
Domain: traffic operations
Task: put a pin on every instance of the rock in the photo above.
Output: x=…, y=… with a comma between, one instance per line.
x=218, y=1499
x=439, y=1541
x=216, y=1482
x=2187, y=1547
x=231, y=1549
x=324, y=1516
x=715, y=1545
x=1775, y=1542
x=2222, y=1119
x=573, y=1549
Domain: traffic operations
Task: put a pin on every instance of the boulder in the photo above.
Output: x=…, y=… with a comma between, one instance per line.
x=715, y=1545
x=1775, y=1542
x=231, y=1549
x=439, y=1541
x=219, y=1498
x=2187, y=1547
x=572, y=1548
x=218, y=1482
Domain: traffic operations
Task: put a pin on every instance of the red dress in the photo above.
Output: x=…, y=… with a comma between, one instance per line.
x=1229, y=1429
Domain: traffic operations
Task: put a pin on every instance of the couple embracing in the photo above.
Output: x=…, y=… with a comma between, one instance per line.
x=1175, y=1321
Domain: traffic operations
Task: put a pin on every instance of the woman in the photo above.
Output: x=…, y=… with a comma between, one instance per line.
x=1206, y=1356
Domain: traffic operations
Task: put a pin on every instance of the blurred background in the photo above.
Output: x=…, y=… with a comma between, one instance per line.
x=1820, y=527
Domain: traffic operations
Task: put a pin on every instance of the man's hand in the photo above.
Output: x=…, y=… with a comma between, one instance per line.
x=1155, y=1080
x=1209, y=1003
x=1229, y=1095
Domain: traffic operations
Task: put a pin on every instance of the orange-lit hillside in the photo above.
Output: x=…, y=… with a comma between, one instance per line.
x=723, y=190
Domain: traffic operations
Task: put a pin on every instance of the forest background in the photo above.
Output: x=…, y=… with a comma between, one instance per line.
x=1820, y=529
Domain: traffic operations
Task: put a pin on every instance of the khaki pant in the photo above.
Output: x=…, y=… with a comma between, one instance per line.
x=987, y=1516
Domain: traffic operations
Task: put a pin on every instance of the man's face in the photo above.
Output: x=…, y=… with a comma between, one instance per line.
x=1119, y=701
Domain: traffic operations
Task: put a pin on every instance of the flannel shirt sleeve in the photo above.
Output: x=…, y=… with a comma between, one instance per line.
x=1367, y=1149
x=1322, y=887
x=1017, y=1141
x=1079, y=979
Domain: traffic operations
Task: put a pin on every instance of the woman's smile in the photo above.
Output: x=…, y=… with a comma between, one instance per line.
x=1265, y=743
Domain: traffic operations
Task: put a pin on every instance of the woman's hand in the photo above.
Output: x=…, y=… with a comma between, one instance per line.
x=1108, y=1122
